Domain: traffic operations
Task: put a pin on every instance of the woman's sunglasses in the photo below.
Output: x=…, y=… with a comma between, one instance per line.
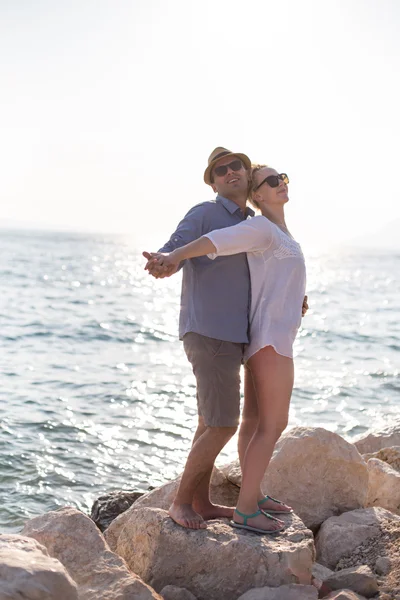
x=274, y=180
x=235, y=165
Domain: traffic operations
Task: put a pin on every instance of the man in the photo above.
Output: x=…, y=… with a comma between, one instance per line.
x=213, y=325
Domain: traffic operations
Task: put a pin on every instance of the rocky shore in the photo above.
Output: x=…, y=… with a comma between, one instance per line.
x=342, y=542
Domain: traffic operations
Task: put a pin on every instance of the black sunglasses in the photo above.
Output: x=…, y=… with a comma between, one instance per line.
x=273, y=180
x=235, y=165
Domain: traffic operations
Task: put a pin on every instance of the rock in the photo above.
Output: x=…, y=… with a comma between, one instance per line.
x=384, y=438
x=73, y=538
x=171, y=592
x=358, y=579
x=107, y=507
x=213, y=563
x=315, y=471
x=320, y=572
x=27, y=572
x=384, y=486
x=222, y=492
x=382, y=565
x=340, y=536
x=391, y=456
x=344, y=595
x=284, y=592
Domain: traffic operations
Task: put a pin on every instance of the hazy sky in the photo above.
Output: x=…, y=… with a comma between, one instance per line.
x=110, y=108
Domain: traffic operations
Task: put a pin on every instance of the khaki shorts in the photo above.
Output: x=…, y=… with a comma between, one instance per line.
x=216, y=366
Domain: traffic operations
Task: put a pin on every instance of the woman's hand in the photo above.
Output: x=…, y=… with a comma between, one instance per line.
x=160, y=265
x=168, y=260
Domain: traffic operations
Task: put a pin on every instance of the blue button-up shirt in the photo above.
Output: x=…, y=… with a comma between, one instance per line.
x=215, y=299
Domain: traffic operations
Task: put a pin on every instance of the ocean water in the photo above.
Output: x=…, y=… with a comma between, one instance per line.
x=96, y=393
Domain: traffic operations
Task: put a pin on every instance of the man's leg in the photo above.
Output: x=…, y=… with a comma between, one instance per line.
x=197, y=473
x=216, y=366
x=201, y=499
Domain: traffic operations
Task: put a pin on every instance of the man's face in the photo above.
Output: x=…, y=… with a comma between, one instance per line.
x=233, y=182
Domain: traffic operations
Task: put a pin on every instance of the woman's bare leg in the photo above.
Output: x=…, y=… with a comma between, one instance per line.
x=273, y=377
x=249, y=421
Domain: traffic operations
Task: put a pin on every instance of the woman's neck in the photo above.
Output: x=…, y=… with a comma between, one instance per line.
x=276, y=214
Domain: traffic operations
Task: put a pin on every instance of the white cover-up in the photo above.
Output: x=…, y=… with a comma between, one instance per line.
x=278, y=281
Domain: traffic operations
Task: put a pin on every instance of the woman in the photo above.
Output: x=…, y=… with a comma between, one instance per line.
x=277, y=273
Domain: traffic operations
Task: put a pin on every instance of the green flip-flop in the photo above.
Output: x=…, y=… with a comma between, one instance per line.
x=275, y=512
x=255, y=529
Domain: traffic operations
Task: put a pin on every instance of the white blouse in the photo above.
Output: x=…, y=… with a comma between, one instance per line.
x=278, y=281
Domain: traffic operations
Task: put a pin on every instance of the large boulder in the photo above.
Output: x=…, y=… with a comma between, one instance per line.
x=27, y=572
x=222, y=492
x=342, y=536
x=217, y=562
x=383, y=438
x=316, y=472
x=73, y=538
x=284, y=592
x=384, y=486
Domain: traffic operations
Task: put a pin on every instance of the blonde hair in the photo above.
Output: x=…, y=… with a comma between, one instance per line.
x=252, y=183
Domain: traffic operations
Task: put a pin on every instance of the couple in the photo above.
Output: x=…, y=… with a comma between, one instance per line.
x=237, y=307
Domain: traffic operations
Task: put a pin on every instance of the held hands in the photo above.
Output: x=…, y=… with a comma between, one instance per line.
x=160, y=265
x=305, y=307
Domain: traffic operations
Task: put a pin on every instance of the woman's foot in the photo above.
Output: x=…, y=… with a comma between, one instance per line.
x=257, y=521
x=186, y=516
x=274, y=506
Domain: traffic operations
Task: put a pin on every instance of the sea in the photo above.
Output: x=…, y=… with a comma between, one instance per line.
x=96, y=393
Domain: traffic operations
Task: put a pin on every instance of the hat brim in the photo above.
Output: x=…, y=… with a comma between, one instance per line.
x=207, y=173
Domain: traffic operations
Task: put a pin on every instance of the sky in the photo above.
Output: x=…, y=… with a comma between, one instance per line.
x=109, y=110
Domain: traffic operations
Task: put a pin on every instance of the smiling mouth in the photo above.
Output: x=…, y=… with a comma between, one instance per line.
x=233, y=180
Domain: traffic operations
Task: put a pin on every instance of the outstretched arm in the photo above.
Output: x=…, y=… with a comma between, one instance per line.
x=170, y=261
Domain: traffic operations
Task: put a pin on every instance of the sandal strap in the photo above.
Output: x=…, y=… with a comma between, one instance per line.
x=270, y=498
x=266, y=514
x=245, y=517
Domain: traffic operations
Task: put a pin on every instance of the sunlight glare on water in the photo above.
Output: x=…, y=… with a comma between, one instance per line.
x=96, y=391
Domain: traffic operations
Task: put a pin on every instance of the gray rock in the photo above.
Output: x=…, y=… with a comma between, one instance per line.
x=320, y=572
x=382, y=565
x=342, y=536
x=284, y=592
x=108, y=506
x=358, y=579
x=171, y=592
x=344, y=595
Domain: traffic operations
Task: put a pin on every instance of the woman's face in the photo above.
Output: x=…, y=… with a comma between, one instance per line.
x=265, y=193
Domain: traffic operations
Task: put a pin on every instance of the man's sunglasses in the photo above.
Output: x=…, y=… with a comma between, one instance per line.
x=235, y=165
x=274, y=180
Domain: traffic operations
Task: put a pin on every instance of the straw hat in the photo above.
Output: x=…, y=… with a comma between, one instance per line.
x=221, y=153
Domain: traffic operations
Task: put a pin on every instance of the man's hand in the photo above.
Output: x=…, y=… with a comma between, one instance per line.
x=305, y=306
x=156, y=269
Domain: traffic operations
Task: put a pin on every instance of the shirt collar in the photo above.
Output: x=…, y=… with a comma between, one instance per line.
x=232, y=207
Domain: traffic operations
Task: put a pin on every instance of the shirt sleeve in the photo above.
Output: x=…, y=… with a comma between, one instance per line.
x=253, y=235
x=189, y=229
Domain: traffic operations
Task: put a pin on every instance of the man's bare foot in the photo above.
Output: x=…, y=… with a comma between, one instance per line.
x=273, y=506
x=186, y=516
x=213, y=511
x=261, y=521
